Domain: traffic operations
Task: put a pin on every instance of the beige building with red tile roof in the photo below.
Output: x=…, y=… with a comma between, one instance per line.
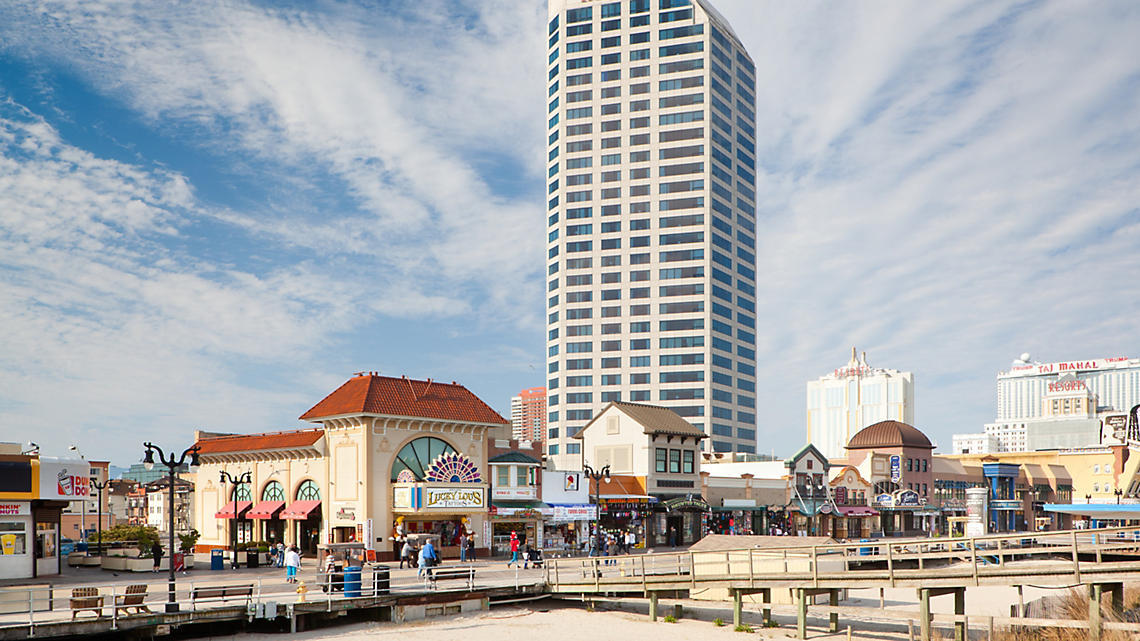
x=391, y=457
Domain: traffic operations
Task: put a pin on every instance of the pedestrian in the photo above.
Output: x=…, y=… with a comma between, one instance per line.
x=156, y=553
x=427, y=558
x=630, y=542
x=279, y=561
x=406, y=554
x=514, y=549
x=292, y=564
x=470, y=543
x=672, y=536
x=463, y=550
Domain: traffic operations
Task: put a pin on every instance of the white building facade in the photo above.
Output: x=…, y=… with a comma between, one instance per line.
x=1035, y=400
x=852, y=397
x=651, y=218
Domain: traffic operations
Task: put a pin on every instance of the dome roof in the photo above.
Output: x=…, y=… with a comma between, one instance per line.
x=889, y=434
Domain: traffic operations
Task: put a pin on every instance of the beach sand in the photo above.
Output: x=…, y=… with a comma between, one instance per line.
x=526, y=624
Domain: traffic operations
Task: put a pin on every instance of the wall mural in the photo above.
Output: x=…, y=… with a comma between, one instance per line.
x=432, y=459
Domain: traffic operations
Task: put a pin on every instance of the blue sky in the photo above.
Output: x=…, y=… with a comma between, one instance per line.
x=212, y=214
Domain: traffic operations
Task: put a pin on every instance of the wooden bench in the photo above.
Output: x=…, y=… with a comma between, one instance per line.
x=83, y=599
x=133, y=598
x=451, y=574
x=222, y=592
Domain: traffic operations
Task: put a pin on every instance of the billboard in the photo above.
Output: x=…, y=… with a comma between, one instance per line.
x=63, y=480
x=896, y=468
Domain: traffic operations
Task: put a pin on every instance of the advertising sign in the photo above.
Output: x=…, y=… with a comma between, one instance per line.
x=1115, y=425
x=572, y=481
x=908, y=498
x=15, y=509
x=64, y=480
x=977, y=511
x=367, y=535
x=884, y=500
x=896, y=468
x=402, y=496
x=455, y=497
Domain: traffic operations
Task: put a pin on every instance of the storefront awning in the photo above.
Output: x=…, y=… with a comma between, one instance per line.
x=266, y=510
x=856, y=510
x=300, y=510
x=740, y=508
x=508, y=508
x=686, y=503
x=229, y=511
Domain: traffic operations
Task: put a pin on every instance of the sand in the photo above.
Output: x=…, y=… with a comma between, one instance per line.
x=525, y=624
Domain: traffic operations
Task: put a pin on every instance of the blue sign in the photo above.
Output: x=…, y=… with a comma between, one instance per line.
x=908, y=498
x=896, y=468
x=885, y=500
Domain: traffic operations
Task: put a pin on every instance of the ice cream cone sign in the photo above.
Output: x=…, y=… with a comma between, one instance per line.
x=301, y=590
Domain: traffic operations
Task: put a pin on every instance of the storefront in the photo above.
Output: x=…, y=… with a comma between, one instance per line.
x=854, y=522
x=567, y=529
x=33, y=493
x=386, y=448
x=524, y=518
x=16, y=536
x=741, y=519
x=682, y=520
x=627, y=514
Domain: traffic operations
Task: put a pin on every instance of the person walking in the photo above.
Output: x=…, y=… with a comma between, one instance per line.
x=156, y=553
x=463, y=550
x=470, y=545
x=672, y=536
x=292, y=564
x=427, y=559
x=514, y=550
x=407, y=554
x=279, y=560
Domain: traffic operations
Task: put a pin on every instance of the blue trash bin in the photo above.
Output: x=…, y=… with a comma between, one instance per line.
x=216, y=560
x=352, y=582
x=865, y=551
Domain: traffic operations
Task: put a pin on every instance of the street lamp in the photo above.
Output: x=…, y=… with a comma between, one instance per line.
x=83, y=504
x=99, y=506
x=1118, y=492
x=597, y=476
x=238, y=480
x=171, y=464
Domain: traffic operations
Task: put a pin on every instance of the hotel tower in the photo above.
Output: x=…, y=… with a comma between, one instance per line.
x=651, y=218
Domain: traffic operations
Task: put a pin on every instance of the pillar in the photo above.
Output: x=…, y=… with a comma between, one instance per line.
x=801, y=613
x=1095, y=626
x=1116, y=590
x=960, y=633
x=737, y=608
x=652, y=606
x=833, y=618
x=767, y=611
x=678, y=610
x=924, y=614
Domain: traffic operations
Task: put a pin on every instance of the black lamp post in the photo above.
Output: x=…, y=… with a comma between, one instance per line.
x=597, y=476
x=99, y=509
x=1118, y=492
x=226, y=477
x=171, y=464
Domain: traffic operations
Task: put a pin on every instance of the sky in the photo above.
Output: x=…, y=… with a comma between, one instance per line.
x=213, y=213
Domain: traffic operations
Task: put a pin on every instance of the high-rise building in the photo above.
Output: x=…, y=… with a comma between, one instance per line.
x=528, y=414
x=1064, y=404
x=852, y=397
x=651, y=218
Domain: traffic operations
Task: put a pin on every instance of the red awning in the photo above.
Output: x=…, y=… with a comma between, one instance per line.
x=266, y=510
x=300, y=510
x=227, y=512
x=856, y=510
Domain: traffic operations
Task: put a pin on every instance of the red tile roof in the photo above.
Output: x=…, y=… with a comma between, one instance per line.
x=389, y=396
x=268, y=441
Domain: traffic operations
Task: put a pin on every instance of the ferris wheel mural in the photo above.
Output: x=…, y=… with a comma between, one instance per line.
x=453, y=467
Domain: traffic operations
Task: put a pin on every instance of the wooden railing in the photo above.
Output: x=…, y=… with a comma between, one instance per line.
x=1042, y=557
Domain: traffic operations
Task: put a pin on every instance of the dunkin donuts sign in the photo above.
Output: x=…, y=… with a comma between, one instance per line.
x=67, y=480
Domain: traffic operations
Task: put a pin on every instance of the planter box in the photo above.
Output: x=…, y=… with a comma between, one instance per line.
x=133, y=564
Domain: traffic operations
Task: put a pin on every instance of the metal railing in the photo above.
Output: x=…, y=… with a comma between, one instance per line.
x=960, y=561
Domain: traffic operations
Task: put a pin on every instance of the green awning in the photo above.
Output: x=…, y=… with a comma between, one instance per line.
x=529, y=504
x=747, y=508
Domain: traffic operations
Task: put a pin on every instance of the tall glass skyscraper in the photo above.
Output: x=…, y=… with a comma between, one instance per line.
x=651, y=218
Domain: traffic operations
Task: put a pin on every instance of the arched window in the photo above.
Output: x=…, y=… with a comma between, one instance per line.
x=273, y=492
x=308, y=492
x=431, y=459
x=242, y=492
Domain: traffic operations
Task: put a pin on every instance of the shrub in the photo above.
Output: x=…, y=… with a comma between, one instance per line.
x=187, y=541
x=669, y=618
x=718, y=622
x=743, y=627
x=143, y=536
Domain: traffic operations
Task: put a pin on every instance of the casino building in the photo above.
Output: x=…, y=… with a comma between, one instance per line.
x=1045, y=406
x=389, y=457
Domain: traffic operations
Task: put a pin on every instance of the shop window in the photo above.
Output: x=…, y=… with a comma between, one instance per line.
x=241, y=492
x=687, y=462
x=416, y=457
x=45, y=540
x=520, y=475
x=13, y=538
x=308, y=491
x=661, y=456
x=674, y=461
x=273, y=492
x=502, y=475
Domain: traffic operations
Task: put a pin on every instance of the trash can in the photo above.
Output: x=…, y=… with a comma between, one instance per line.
x=865, y=551
x=253, y=559
x=217, y=561
x=352, y=581
x=381, y=580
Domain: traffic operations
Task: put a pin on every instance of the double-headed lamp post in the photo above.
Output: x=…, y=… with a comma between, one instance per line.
x=171, y=464
x=597, y=476
x=99, y=507
x=226, y=477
